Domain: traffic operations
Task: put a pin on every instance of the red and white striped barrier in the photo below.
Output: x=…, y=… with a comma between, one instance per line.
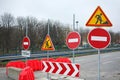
x=67, y=69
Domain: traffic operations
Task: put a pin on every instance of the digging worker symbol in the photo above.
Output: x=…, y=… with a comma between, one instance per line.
x=99, y=18
x=47, y=44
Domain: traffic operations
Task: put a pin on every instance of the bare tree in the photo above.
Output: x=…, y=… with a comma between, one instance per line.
x=32, y=25
x=11, y=33
x=21, y=24
x=7, y=21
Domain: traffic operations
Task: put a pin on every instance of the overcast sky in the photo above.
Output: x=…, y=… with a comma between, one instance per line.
x=63, y=10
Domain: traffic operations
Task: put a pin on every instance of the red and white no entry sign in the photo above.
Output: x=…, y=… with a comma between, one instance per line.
x=73, y=40
x=99, y=38
x=26, y=43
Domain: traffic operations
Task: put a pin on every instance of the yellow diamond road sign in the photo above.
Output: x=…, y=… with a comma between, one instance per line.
x=98, y=19
x=47, y=44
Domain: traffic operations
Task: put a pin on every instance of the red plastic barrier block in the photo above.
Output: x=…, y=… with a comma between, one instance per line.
x=30, y=64
x=17, y=64
x=49, y=59
x=63, y=59
x=27, y=74
x=37, y=65
x=34, y=64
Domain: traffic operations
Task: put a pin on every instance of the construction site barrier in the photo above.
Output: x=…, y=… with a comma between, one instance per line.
x=27, y=74
x=17, y=64
x=14, y=72
x=48, y=59
x=17, y=70
x=45, y=59
x=63, y=59
x=34, y=64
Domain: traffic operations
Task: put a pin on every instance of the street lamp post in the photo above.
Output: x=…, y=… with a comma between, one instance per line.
x=77, y=25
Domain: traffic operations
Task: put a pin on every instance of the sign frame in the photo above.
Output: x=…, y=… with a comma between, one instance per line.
x=73, y=41
x=109, y=24
x=47, y=49
x=104, y=38
x=25, y=43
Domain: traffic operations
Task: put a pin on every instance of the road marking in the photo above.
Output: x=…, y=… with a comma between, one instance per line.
x=25, y=43
x=73, y=40
x=107, y=62
x=98, y=38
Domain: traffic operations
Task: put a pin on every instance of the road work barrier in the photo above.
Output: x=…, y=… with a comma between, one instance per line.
x=34, y=64
x=63, y=59
x=27, y=74
x=67, y=69
x=14, y=72
x=20, y=74
x=19, y=70
x=49, y=59
x=17, y=64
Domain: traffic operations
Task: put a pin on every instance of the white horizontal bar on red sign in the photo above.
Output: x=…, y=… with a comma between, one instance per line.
x=98, y=38
x=25, y=43
x=73, y=40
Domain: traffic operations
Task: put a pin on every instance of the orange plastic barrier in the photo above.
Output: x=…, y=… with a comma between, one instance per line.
x=26, y=74
x=34, y=64
x=17, y=64
x=63, y=59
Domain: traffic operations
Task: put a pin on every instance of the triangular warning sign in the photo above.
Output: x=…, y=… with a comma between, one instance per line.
x=98, y=19
x=47, y=44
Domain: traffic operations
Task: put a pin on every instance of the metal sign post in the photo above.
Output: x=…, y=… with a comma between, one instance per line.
x=48, y=46
x=26, y=36
x=48, y=76
x=72, y=41
x=98, y=64
x=99, y=39
x=73, y=30
x=73, y=56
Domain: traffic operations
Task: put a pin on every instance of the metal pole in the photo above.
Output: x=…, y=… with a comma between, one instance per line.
x=48, y=28
x=48, y=77
x=73, y=22
x=26, y=61
x=98, y=64
x=47, y=55
x=26, y=36
x=26, y=29
x=77, y=25
x=73, y=30
x=73, y=56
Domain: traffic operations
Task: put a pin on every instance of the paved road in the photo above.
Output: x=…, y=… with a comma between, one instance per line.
x=110, y=66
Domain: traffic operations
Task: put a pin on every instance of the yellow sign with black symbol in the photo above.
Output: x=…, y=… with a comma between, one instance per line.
x=98, y=19
x=47, y=44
